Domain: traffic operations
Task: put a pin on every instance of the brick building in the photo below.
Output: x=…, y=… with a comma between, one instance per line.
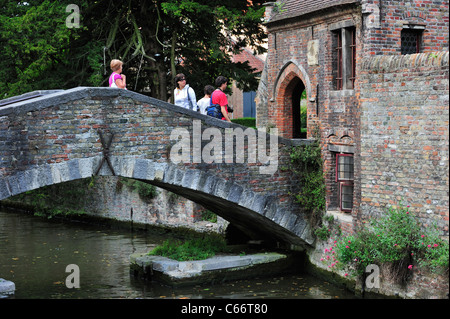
x=243, y=103
x=324, y=47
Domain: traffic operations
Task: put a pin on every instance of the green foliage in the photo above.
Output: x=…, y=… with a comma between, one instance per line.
x=59, y=212
x=303, y=118
x=35, y=45
x=208, y=33
x=322, y=232
x=395, y=239
x=209, y=216
x=433, y=251
x=329, y=227
x=57, y=200
x=146, y=191
x=191, y=249
x=245, y=121
x=307, y=164
x=155, y=39
x=278, y=7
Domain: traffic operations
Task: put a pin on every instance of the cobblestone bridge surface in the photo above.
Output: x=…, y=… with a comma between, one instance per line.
x=61, y=136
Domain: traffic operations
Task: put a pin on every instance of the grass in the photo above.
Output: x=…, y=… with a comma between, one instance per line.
x=191, y=249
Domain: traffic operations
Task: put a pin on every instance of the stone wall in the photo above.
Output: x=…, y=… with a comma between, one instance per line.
x=405, y=135
x=112, y=197
x=119, y=199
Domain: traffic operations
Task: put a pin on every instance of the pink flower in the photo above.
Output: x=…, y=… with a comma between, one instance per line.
x=422, y=236
x=407, y=212
x=395, y=245
x=347, y=247
x=429, y=246
x=346, y=275
x=349, y=242
x=410, y=267
x=321, y=259
x=326, y=250
x=435, y=245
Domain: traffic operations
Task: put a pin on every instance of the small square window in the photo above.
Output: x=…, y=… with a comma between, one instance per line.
x=411, y=41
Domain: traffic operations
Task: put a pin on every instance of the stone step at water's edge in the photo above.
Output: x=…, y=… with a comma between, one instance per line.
x=218, y=268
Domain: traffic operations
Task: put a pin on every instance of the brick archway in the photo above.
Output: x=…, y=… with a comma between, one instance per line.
x=289, y=106
x=292, y=78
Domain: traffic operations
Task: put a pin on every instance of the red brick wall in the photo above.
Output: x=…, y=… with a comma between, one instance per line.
x=433, y=15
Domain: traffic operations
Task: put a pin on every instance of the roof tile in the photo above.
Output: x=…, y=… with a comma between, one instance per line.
x=295, y=8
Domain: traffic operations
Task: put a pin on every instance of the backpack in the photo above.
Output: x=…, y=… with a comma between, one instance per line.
x=214, y=110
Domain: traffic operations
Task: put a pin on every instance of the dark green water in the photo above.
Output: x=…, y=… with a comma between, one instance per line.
x=34, y=254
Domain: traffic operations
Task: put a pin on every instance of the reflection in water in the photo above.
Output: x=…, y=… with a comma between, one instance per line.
x=34, y=253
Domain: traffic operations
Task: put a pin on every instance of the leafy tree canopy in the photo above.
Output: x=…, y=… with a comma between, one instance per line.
x=155, y=39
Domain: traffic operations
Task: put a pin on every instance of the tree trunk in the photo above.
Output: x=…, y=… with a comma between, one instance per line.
x=173, y=70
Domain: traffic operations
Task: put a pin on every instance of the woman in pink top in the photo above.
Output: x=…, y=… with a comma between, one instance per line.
x=117, y=80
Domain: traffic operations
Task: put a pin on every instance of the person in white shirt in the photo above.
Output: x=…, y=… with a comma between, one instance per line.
x=184, y=95
x=205, y=101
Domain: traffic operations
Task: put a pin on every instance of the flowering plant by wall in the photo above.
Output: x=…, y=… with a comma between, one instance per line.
x=395, y=239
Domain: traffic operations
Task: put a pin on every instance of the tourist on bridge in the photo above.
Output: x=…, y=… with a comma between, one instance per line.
x=117, y=80
x=184, y=95
x=218, y=97
x=205, y=101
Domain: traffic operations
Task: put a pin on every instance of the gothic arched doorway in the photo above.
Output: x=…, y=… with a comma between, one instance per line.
x=295, y=108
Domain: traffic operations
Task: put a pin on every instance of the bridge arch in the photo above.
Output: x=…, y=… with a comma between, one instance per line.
x=65, y=146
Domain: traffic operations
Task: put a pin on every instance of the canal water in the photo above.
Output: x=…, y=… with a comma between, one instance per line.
x=34, y=254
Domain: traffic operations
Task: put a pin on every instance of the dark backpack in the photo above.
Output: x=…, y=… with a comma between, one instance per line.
x=214, y=110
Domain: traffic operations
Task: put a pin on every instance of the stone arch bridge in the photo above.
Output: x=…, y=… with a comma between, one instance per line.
x=51, y=137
